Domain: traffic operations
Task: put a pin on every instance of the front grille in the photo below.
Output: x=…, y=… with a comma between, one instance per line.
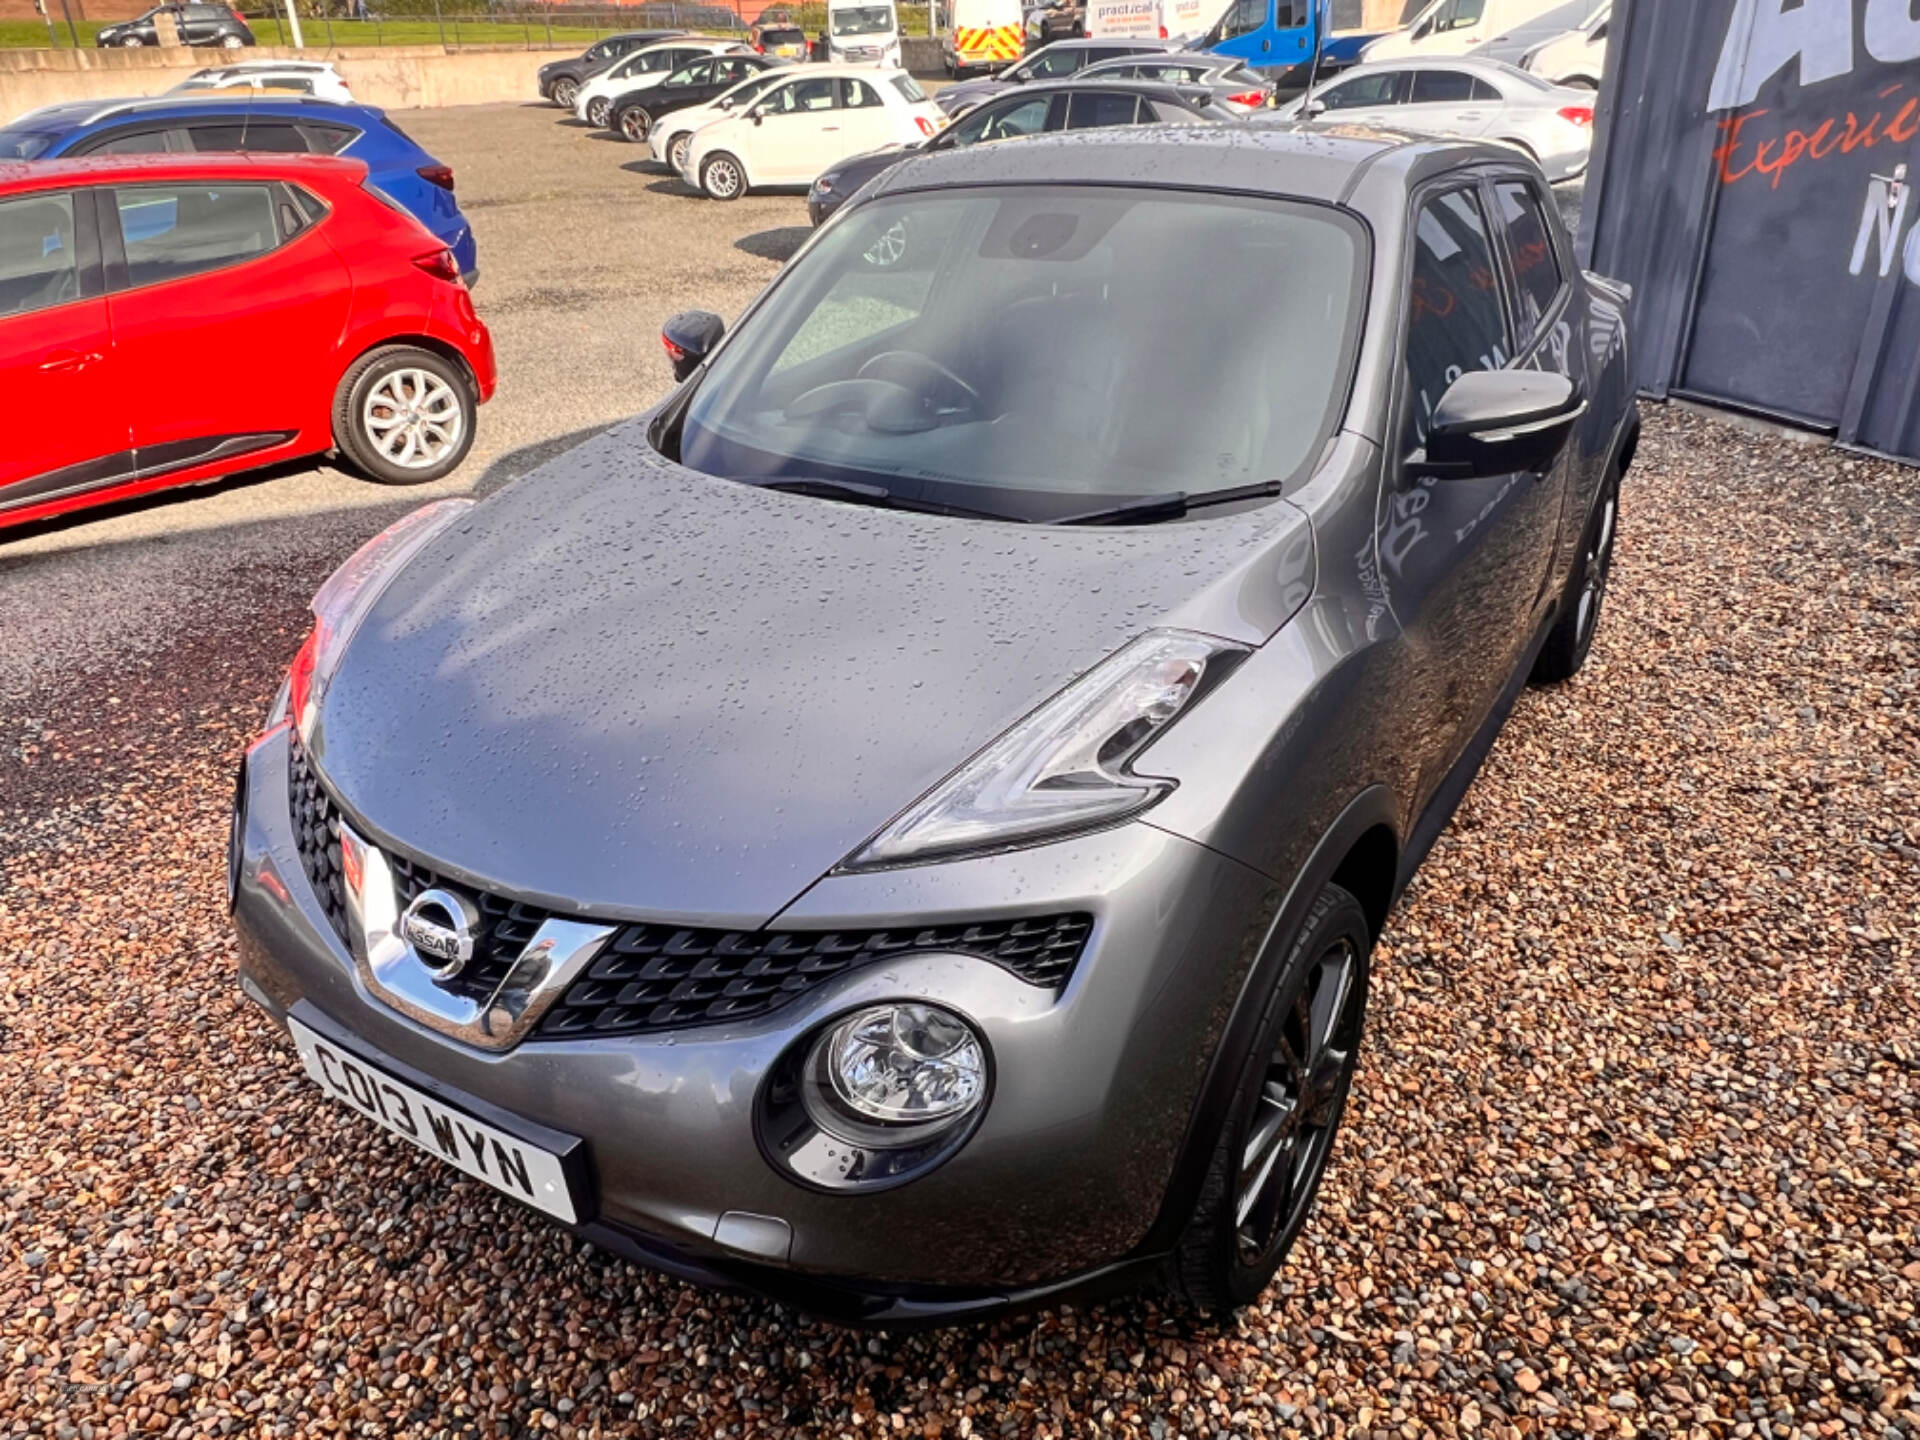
x=664, y=977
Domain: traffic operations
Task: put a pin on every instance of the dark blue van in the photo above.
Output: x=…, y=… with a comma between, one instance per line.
x=181, y=125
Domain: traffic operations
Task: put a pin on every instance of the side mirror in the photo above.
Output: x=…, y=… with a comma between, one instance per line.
x=1500, y=422
x=1312, y=108
x=689, y=338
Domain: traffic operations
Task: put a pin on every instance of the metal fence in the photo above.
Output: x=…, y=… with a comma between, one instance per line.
x=1753, y=179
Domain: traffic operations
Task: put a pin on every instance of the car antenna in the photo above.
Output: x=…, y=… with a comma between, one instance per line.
x=1322, y=12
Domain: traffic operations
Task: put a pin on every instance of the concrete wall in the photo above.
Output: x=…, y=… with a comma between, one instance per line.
x=393, y=77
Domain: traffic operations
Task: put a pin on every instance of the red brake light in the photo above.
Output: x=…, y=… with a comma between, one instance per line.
x=441, y=175
x=674, y=352
x=440, y=264
x=300, y=673
x=1578, y=114
x=1255, y=98
x=1163, y=32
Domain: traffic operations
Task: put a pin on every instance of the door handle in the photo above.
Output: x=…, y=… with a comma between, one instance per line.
x=69, y=360
x=825, y=128
x=1266, y=45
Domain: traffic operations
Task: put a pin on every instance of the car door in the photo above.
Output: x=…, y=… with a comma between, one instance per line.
x=1449, y=102
x=1005, y=119
x=1098, y=106
x=1463, y=560
x=147, y=139
x=200, y=24
x=1456, y=27
x=796, y=132
x=226, y=306
x=1372, y=98
x=1265, y=33
x=56, y=352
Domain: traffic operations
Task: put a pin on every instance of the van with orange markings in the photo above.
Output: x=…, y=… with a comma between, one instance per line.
x=979, y=34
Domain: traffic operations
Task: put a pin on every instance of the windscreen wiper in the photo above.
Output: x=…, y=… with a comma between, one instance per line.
x=1149, y=509
x=856, y=492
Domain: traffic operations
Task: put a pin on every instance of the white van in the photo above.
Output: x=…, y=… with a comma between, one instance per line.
x=979, y=34
x=1151, y=19
x=1455, y=27
x=863, y=32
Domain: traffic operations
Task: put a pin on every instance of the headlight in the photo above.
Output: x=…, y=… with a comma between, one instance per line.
x=1068, y=765
x=879, y=1097
x=905, y=1064
x=345, y=597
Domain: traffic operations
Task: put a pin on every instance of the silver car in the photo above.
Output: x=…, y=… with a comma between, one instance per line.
x=901, y=827
x=1464, y=99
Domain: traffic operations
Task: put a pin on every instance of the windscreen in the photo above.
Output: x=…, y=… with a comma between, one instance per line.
x=1028, y=350
x=862, y=20
x=25, y=144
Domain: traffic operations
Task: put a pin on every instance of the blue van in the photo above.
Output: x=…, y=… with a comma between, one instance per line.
x=398, y=169
x=1283, y=35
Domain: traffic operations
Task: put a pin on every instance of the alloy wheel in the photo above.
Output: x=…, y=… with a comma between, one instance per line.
x=722, y=179
x=677, y=153
x=412, y=418
x=565, y=93
x=597, y=113
x=231, y=42
x=1599, y=564
x=634, y=124
x=1291, y=1131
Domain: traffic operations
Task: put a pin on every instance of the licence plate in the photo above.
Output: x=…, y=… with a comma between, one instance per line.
x=506, y=1162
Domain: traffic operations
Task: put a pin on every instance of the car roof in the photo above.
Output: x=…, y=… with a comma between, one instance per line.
x=1284, y=160
x=816, y=72
x=241, y=67
x=80, y=113
x=1196, y=95
x=1435, y=62
x=1208, y=59
x=1142, y=42
x=19, y=176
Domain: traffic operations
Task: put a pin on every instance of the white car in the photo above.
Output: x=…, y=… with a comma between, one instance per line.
x=1578, y=58
x=1464, y=99
x=1457, y=27
x=673, y=132
x=279, y=77
x=805, y=123
x=641, y=69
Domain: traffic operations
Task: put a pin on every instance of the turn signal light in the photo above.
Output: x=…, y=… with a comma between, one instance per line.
x=1578, y=114
x=440, y=264
x=441, y=175
x=927, y=127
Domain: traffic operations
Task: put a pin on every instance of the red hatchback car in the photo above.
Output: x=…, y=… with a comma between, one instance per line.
x=168, y=321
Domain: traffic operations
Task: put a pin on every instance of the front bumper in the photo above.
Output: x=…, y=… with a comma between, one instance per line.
x=1057, y=1189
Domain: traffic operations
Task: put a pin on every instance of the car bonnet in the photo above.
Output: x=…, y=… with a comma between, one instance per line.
x=624, y=688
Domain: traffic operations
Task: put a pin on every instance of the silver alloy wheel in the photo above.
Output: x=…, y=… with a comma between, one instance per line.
x=1291, y=1131
x=412, y=419
x=677, y=152
x=597, y=112
x=231, y=42
x=132, y=42
x=565, y=92
x=721, y=178
x=1599, y=561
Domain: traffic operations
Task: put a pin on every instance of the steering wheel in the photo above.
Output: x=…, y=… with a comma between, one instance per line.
x=911, y=370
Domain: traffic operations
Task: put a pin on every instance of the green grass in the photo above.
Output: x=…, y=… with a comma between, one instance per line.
x=32, y=35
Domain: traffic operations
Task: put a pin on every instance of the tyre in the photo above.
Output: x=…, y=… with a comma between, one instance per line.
x=597, y=111
x=131, y=42
x=404, y=416
x=1278, y=1136
x=565, y=92
x=721, y=177
x=677, y=152
x=633, y=123
x=1571, y=638
x=231, y=42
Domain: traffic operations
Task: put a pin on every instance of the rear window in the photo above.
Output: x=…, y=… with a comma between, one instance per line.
x=25, y=144
x=783, y=37
x=909, y=87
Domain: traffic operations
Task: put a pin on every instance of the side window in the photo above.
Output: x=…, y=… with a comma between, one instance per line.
x=1089, y=109
x=1456, y=320
x=170, y=231
x=1441, y=87
x=1290, y=14
x=857, y=94
x=1056, y=62
x=1536, y=267
x=1243, y=17
x=727, y=72
x=39, y=266
x=131, y=142
x=1484, y=93
x=328, y=139
x=276, y=136
x=1003, y=122
x=1459, y=14
x=1363, y=91
x=698, y=73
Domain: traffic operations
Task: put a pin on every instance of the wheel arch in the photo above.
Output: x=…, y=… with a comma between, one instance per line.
x=1362, y=848
x=419, y=341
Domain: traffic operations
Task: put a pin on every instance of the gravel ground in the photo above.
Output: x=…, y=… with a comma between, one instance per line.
x=1633, y=1148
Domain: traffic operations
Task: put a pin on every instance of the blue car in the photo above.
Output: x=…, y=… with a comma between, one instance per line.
x=397, y=168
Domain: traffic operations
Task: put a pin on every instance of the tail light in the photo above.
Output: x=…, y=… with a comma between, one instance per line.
x=238, y=18
x=927, y=127
x=1577, y=114
x=674, y=352
x=441, y=175
x=1252, y=98
x=1163, y=32
x=440, y=264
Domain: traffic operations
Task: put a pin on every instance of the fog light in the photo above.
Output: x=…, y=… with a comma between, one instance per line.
x=905, y=1064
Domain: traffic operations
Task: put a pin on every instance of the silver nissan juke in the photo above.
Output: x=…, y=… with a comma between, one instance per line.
x=901, y=827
